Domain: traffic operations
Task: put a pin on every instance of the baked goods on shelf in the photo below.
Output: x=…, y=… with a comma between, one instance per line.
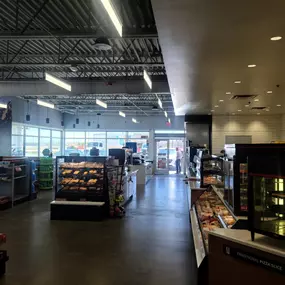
x=91, y=181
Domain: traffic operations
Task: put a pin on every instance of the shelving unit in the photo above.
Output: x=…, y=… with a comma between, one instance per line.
x=14, y=181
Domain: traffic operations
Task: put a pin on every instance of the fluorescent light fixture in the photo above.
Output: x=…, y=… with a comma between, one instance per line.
x=269, y=92
x=3, y=106
x=278, y=105
x=276, y=38
x=58, y=82
x=216, y=106
x=256, y=100
x=101, y=103
x=159, y=103
x=239, y=110
x=134, y=120
x=221, y=100
x=122, y=114
x=246, y=105
x=165, y=114
x=237, y=82
x=113, y=16
x=45, y=104
x=169, y=121
x=251, y=65
x=147, y=79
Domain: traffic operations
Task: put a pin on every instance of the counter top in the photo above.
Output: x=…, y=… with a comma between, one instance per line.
x=261, y=242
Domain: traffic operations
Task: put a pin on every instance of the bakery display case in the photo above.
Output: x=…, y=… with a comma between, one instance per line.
x=81, y=178
x=266, y=196
x=211, y=171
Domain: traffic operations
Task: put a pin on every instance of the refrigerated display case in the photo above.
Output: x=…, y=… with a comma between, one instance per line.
x=266, y=196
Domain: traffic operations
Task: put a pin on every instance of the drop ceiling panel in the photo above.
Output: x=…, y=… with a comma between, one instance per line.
x=207, y=45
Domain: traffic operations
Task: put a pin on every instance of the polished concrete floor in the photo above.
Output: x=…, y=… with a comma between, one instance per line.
x=152, y=245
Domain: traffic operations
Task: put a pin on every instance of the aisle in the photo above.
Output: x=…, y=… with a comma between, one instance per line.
x=152, y=245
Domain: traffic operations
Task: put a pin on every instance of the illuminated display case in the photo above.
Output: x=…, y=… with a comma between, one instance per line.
x=212, y=171
x=266, y=195
x=237, y=195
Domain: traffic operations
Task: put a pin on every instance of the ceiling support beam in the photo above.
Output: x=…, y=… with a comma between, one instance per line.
x=42, y=64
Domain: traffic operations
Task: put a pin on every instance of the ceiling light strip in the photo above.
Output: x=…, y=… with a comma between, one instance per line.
x=3, y=106
x=113, y=16
x=122, y=114
x=159, y=103
x=101, y=103
x=147, y=79
x=45, y=104
x=57, y=81
x=134, y=120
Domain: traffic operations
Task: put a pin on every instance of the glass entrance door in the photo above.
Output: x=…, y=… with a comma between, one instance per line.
x=162, y=156
x=166, y=155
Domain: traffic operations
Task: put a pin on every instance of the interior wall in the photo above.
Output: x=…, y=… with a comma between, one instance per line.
x=113, y=123
x=263, y=129
x=38, y=114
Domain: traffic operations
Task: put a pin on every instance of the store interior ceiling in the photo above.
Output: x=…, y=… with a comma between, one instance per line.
x=208, y=45
x=193, y=51
x=60, y=37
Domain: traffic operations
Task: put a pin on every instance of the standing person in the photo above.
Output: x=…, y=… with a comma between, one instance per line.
x=178, y=160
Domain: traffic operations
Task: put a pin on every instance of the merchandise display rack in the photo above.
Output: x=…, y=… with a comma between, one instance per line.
x=45, y=173
x=14, y=181
x=115, y=176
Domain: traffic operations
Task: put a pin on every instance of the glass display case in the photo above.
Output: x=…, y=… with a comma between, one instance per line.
x=228, y=191
x=212, y=171
x=266, y=196
x=240, y=152
x=81, y=178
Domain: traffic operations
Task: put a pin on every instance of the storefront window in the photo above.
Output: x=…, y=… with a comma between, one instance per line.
x=75, y=146
x=56, y=147
x=17, y=130
x=138, y=135
x=98, y=143
x=114, y=135
x=91, y=135
x=116, y=143
x=44, y=144
x=30, y=131
x=56, y=134
x=17, y=146
x=74, y=135
x=32, y=148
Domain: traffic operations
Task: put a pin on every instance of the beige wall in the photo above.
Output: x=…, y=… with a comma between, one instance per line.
x=263, y=129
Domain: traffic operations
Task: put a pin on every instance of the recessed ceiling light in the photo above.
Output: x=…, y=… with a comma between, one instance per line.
x=269, y=92
x=252, y=65
x=256, y=100
x=278, y=105
x=276, y=38
x=221, y=100
x=217, y=106
x=239, y=110
x=228, y=93
x=267, y=110
x=258, y=114
x=237, y=82
x=233, y=113
x=246, y=105
x=212, y=110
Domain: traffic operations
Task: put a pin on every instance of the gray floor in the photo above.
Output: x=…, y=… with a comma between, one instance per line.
x=151, y=245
